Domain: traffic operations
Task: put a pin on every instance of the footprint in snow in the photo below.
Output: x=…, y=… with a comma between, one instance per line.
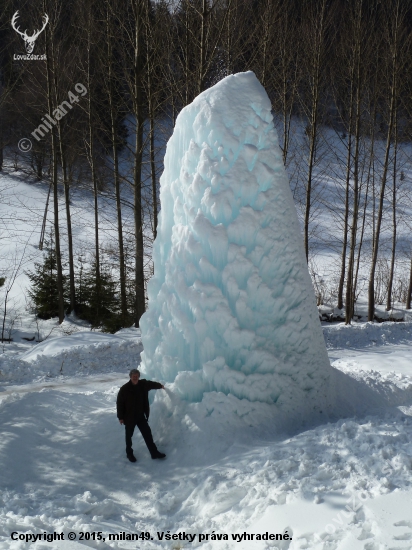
x=372, y=546
x=403, y=523
x=404, y=536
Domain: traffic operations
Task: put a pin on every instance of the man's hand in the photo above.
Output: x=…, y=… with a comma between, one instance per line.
x=162, y=387
x=121, y=421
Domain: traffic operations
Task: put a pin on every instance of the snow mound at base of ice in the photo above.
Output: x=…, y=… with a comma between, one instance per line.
x=231, y=305
x=228, y=420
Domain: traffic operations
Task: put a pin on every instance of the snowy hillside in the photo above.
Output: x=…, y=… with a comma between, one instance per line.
x=22, y=210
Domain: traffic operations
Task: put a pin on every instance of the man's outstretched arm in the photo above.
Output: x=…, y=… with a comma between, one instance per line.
x=154, y=385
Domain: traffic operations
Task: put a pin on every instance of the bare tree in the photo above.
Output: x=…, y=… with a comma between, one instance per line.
x=409, y=294
x=90, y=44
x=394, y=216
x=358, y=76
x=318, y=32
x=13, y=271
x=111, y=21
x=396, y=45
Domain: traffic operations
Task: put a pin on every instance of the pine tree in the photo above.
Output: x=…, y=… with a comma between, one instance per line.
x=98, y=301
x=44, y=290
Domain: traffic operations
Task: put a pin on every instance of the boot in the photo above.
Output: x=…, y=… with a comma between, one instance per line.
x=158, y=454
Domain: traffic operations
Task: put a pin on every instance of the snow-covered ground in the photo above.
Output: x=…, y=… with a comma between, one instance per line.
x=345, y=484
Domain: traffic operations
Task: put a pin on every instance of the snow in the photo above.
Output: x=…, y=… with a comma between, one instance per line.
x=344, y=485
x=79, y=353
x=231, y=305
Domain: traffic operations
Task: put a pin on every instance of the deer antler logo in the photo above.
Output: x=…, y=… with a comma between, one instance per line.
x=29, y=41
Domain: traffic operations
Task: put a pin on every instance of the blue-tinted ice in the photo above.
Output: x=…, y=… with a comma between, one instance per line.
x=231, y=305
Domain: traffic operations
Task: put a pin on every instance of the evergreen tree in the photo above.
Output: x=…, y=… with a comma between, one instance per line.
x=98, y=302
x=44, y=289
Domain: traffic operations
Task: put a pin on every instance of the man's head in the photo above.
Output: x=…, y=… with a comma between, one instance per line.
x=134, y=376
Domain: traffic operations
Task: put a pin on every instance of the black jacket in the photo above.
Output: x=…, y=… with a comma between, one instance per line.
x=133, y=400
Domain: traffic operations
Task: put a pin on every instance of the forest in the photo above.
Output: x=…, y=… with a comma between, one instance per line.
x=96, y=86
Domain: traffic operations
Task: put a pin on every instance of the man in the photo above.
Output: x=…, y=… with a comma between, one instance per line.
x=133, y=410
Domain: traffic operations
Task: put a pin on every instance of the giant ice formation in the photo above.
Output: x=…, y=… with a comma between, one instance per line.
x=231, y=305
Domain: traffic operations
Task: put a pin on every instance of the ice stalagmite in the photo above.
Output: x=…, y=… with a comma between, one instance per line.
x=231, y=305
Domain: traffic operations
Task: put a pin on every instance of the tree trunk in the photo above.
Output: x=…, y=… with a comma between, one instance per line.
x=350, y=295
x=69, y=225
x=201, y=77
x=92, y=164
x=153, y=167
x=315, y=79
x=116, y=176
x=409, y=295
x=54, y=152
x=355, y=284
x=346, y=214
x=43, y=226
x=392, y=268
x=311, y=162
x=137, y=172
x=376, y=237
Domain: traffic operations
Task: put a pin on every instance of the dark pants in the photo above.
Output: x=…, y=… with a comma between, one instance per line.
x=146, y=432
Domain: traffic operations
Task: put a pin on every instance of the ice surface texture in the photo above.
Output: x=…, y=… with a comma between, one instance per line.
x=231, y=305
